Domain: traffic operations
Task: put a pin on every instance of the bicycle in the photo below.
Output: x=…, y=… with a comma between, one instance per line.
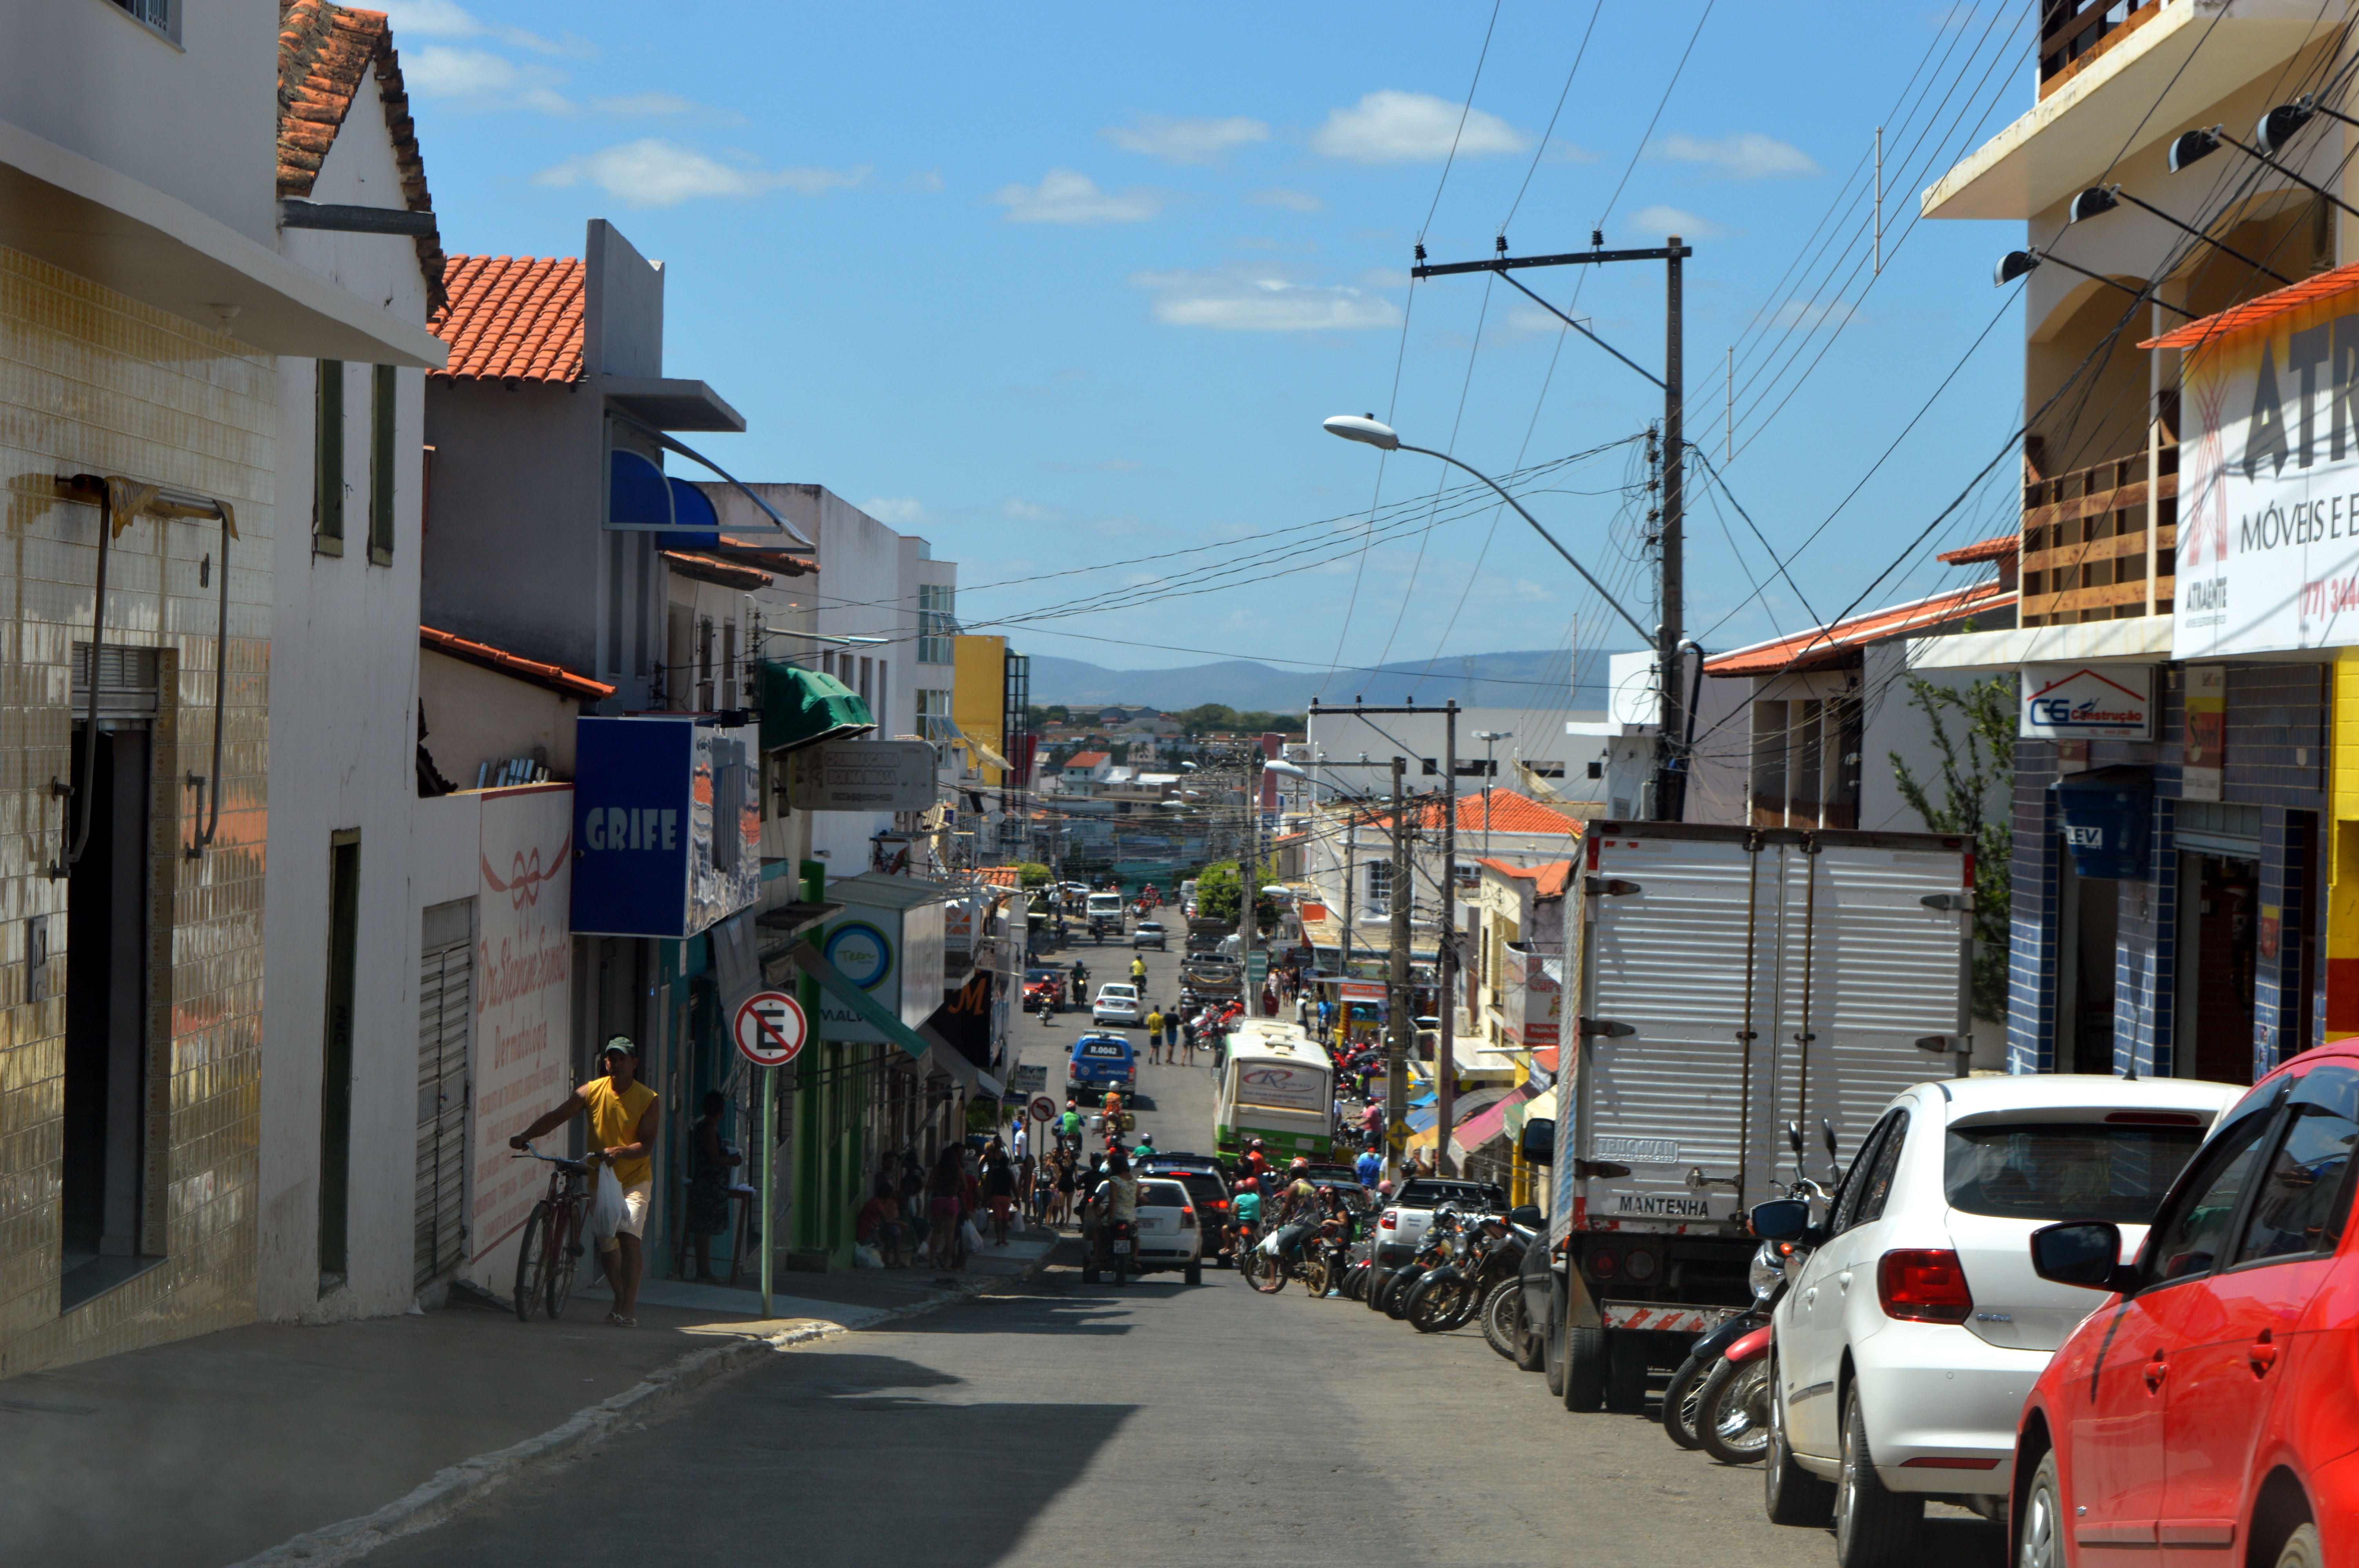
x=552, y=1238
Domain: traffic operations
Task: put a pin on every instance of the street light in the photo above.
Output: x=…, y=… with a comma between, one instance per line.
x=2192, y=146
x=1368, y=430
x=1489, y=738
x=2020, y=264
x=2099, y=199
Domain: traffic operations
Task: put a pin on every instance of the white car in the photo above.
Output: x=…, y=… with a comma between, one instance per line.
x=1168, y=1235
x=1914, y=1327
x=1118, y=1004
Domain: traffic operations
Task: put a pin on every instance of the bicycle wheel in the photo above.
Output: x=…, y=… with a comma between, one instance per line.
x=562, y=1244
x=1269, y=1274
x=1314, y=1276
x=531, y=1286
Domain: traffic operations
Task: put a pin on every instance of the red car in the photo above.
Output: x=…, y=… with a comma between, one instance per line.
x=2207, y=1411
x=1043, y=989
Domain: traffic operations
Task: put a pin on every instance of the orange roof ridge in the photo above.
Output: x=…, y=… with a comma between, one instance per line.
x=1992, y=550
x=557, y=677
x=325, y=53
x=512, y=318
x=2260, y=310
x=1804, y=649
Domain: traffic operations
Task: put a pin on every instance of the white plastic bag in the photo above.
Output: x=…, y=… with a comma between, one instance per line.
x=864, y=1256
x=1270, y=1244
x=974, y=1238
x=607, y=1210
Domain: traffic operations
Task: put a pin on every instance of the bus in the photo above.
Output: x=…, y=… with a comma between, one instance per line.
x=1276, y=1084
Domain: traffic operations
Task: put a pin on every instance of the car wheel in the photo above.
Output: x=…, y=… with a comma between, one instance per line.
x=1874, y=1527
x=2301, y=1549
x=2039, y=1527
x=1792, y=1494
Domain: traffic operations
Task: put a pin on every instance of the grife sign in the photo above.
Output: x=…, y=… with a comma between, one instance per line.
x=2268, y=497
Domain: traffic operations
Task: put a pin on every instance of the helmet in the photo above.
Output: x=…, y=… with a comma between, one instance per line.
x=1256, y=1143
x=1249, y=1185
x=1325, y=1191
x=1384, y=1189
x=1300, y=1163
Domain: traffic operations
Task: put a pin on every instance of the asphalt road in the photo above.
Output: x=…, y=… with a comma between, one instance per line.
x=1174, y=1104
x=1059, y=1423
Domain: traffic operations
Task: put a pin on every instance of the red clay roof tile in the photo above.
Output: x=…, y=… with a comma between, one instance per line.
x=556, y=677
x=325, y=53
x=1825, y=645
x=1996, y=549
x=512, y=319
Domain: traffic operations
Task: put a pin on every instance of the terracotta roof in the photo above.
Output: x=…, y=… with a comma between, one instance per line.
x=1087, y=759
x=766, y=557
x=1510, y=813
x=1548, y=881
x=512, y=319
x=713, y=569
x=2259, y=312
x=1825, y=645
x=325, y=53
x=556, y=677
x=1997, y=550
x=1001, y=876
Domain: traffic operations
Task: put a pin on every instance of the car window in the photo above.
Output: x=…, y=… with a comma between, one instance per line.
x=1162, y=1195
x=2303, y=1194
x=2066, y=1169
x=1878, y=1186
x=1846, y=1214
x=2193, y=1226
x=1204, y=1189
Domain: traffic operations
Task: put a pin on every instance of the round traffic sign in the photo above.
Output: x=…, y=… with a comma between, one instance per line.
x=770, y=1028
x=1043, y=1109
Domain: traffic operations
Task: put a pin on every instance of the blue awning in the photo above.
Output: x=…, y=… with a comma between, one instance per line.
x=695, y=524
x=637, y=494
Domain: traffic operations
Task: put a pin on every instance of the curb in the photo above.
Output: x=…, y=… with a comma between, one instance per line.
x=453, y=1489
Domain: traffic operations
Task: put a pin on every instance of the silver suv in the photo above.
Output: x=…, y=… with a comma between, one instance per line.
x=1400, y=1228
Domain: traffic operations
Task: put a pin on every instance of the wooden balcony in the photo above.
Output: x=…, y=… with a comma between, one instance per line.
x=2074, y=33
x=2100, y=543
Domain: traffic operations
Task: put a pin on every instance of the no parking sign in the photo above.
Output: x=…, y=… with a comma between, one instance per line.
x=770, y=1028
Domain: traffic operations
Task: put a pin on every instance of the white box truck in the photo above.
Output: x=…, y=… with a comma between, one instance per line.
x=1728, y=981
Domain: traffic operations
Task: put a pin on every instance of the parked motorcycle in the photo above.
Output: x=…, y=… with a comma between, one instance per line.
x=1501, y=1313
x=1441, y=1242
x=1450, y=1297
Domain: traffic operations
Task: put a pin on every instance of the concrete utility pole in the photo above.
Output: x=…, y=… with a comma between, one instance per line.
x=1401, y=1026
x=1445, y=946
x=1351, y=873
x=1670, y=744
x=1249, y=882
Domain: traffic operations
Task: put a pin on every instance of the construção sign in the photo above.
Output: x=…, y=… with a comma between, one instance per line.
x=2087, y=702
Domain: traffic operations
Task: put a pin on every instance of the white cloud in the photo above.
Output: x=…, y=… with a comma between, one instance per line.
x=1567, y=152
x=1660, y=222
x=643, y=106
x=1241, y=302
x=926, y=179
x=1809, y=315
x=1748, y=155
x=1065, y=196
x=656, y=173
x=1023, y=510
x=900, y=510
x=1292, y=200
x=1186, y=141
x=483, y=79
x=444, y=19
x=1391, y=126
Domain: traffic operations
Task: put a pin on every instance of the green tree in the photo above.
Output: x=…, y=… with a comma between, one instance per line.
x=1032, y=873
x=1217, y=897
x=1976, y=783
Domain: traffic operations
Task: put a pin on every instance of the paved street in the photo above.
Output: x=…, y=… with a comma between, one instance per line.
x=1174, y=1104
x=1056, y=1422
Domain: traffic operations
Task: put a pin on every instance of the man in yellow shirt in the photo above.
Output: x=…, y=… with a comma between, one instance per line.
x=623, y=1122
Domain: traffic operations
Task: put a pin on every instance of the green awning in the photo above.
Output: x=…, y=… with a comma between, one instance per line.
x=847, y=992
x=802, y=708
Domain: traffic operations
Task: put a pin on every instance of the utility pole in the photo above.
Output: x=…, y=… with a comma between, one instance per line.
x=1670, y=761
x=1351, y=875
x=1445, y=945
x=1399, y=1025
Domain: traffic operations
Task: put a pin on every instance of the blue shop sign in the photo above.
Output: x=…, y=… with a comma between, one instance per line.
x=667, y=826
x=2107, y=815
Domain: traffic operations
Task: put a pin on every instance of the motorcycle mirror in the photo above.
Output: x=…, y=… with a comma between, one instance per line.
x=1794, y=1138
x=1827, y=1132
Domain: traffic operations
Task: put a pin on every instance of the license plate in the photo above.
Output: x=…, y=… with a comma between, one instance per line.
x=1123, y=1246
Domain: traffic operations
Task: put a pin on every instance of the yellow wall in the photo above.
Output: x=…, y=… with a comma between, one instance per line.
x=90, y=382
x=2343, y=866
x=978, y=700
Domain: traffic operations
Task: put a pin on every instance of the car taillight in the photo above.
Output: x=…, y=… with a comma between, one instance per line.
x=1603, y=1264
x=1218, y=1203
x=1923, y=1284
x=1391, y=1221
x=1187, y=1219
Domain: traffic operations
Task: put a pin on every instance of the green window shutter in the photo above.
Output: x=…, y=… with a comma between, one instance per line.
x=328, y=466
x=382, y=404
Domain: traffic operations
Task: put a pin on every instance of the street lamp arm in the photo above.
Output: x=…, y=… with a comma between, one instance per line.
x=1644, y=635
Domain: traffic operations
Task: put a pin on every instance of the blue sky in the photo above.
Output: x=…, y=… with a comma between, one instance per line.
x=1064, y=288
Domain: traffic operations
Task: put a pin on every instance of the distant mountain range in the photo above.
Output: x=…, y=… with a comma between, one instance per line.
x=1477, y=680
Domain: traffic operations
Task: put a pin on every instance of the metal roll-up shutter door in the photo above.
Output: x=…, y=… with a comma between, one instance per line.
x=445, y=994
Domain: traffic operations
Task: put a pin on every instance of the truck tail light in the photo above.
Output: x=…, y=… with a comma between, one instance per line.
x=1923, y=1284
x=1391, y=1220
x=1603, y=1265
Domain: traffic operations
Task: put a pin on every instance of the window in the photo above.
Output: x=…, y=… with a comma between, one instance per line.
x=1855, y=1180
x=328, y=460
x=883, y=711
x=937, y=626
x=1878, y=1185
x=2063, y=1170
x=704, y=665
x=934, y=714
x=161, y=14
x=1380, y=885
x=2187, y=1238
x=728, y=664
x=382, y=390
x=2303, y=1198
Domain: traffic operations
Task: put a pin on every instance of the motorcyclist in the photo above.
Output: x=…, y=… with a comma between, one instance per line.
x=1298, y=1209
x=1245, y=1204
x=1115, y=1197
x=1069, y=1126
x=1137, y=971
x=1080, y=982
x=1145, y=1150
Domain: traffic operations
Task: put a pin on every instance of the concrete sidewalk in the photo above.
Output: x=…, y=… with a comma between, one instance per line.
x=211, y=1451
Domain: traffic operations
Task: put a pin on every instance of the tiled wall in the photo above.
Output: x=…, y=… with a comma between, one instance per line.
x=2032, y=934
x=92, y=383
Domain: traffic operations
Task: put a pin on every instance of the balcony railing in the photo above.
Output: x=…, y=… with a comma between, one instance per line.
x=2074, y=33
x=2087, y=555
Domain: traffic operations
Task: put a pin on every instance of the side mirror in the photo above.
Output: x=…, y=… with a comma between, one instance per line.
x=1781, y=1219
x=1528, y=1215
x=1827, y=1130
x=1794, y=1138
x=1540, y=1140
x=2084, y=1252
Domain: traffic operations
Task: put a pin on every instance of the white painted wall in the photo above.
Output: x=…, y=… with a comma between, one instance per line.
x=343, y=687
x=475, y=715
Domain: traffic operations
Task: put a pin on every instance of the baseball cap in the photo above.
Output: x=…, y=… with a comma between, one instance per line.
x=619, y=1043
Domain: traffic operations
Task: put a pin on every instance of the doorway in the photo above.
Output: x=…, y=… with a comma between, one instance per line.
x=2219, y=924
x=104, y=1201
x=2090, y=923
